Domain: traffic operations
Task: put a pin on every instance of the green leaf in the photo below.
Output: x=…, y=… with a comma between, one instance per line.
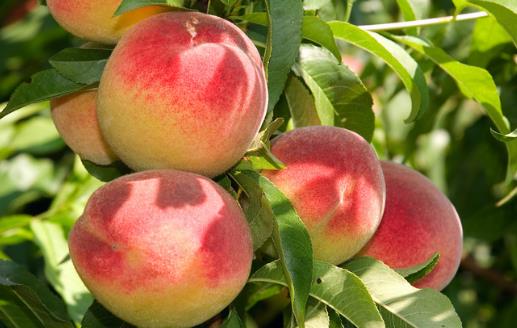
x=488, y=39
x=257, y=209
x=128, y=5
x=301, y=103
x=254, y=293
x=313, y=29
x=394, y=56
x=14, y=229
x=475, y=83
x=84, y=66
x=26, y=302
x=106, y=173
x=511, y=136
x=341, y=99
x=233, y=320
x=98, y=317
x=406, y=8
x=44, y=85
x=46, y=140
x=284, y=39
x=401, y=304
x=505, y=11
x=292, y=243
x=338, y=288
x=419, y=271
x=50, y=238
x=316, y=30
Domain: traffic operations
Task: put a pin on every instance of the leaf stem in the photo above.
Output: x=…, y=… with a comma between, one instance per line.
x=424, y=22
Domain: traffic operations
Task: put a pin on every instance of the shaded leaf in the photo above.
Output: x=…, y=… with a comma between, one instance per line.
x=98, y=317
x=106, y=173
x=292, y=244
x=26, y=302
x=44, y=85
x=340, y=97
x=84, y=66
x=419, y=271
x=284, y=39
x=394, y=56
x=301, y=104
x=233, y=320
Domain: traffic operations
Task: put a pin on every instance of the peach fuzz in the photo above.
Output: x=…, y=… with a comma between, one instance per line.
x=162, y=248
x=335, y=183
x=182, y=90
x=94, y=19
x=75, y=118
x=418, y=221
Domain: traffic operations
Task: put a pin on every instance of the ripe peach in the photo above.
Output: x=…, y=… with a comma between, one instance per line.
x=182, y=90
x=335, y=183
x=94, y=19
x=162, y=248
x=76, y=120
x=418, y=221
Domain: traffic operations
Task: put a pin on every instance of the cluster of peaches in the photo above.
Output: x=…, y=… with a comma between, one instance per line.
x=181, y=98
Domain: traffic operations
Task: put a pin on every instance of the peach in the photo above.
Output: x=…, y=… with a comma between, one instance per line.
x=418, y=221
x=75, y=118
x=335, y=183
x=162, y=248
x=182, y=90
x=94, y=19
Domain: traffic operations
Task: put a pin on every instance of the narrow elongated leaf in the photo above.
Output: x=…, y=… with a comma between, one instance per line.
x=401, y=304
x=26, y=302
x=301, y=104
x=511, y=136
x=341, y=99
x=488, y=38
x=394, y=56
x=475, y=83
x=292, y=243
x=106, y=173
x=128, y=5
x=284, y=39
x=505, y=11
x=50, y=238
x=84, y=66
x=98, y=317
x=419, y=271
x=339, y=289
x=406, y=8
x=44, y=85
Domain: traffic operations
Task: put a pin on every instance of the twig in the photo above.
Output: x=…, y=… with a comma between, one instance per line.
x=494, y=277
x=423, y=22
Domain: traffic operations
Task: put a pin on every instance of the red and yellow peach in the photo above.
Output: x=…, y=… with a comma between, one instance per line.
x=418, y=221
x=182, y=90
x=94, y=20
x=162, y=248
x=75, y=118
x=335, y=183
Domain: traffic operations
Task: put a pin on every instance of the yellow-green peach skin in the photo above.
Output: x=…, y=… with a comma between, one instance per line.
x=75, y=118
x=162, y=248
x=335, y=183
x=182, y=90
x=94, y=20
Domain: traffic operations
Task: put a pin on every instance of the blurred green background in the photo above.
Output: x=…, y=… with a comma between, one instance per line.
x=43, y=187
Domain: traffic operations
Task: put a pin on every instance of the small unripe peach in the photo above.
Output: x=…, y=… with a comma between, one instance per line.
x=75, y=118
x=335, y=183
x=162, y=248
x=94, y=19
x=182, y=90
x=418, y=221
